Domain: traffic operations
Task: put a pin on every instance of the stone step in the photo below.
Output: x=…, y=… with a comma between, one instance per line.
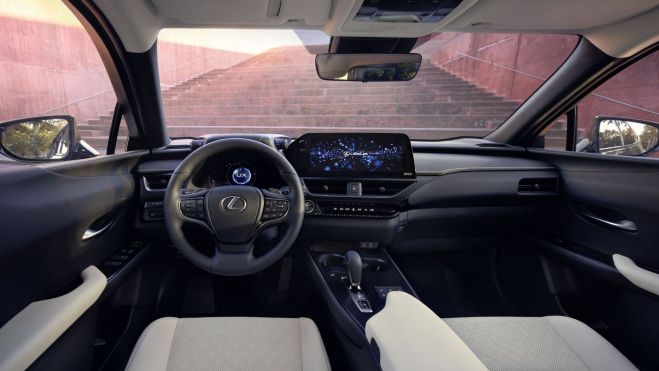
x=267, y=80
x=481, y=98
x=401, y=123
x=223, y=86
x=256, y=87
x=237, y=75
x=417, y=133
x=330, y=92
x=501, y=108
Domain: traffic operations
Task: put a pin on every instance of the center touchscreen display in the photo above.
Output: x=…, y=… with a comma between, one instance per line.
x=364, y=155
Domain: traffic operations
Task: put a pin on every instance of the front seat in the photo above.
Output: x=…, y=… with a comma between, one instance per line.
x=229, y=343
x=409, y=336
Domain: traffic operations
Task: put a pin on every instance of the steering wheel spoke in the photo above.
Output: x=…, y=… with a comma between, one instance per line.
x=275, y=208
x=191, y=205
x=230, y=262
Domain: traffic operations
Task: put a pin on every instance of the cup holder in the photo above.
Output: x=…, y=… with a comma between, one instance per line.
x=369, y=263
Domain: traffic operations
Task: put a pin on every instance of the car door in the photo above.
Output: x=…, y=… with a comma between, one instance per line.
x=66, y=198
x=601, y=240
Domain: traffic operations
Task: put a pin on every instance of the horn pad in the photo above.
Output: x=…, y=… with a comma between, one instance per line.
x=233, y=212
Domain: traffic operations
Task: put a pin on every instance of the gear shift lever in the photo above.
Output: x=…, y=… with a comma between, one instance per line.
x=354, y=268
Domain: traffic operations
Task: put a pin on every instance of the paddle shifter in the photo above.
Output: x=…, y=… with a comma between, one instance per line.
x=354, y=268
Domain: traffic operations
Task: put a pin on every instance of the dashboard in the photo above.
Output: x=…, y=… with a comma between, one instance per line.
x=373, y=187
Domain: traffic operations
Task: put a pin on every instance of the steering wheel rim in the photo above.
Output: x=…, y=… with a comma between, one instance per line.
x=235, y=258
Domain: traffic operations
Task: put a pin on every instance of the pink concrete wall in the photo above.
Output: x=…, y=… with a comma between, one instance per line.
x=634, y=93
x=510, y=65
x=50, y=69
x=45, y=66
x=514, y=66
x=178, y=62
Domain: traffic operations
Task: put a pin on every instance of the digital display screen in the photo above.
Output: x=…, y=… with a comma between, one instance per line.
x=383, y=155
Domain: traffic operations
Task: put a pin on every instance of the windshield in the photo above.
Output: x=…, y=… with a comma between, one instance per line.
x=265, y=81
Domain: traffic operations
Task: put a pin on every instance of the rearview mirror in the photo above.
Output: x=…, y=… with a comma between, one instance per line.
x=625, y=137
x=38, y=138
x=367, y=67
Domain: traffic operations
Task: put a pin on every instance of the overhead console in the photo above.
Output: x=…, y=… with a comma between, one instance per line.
x=393, y=18
x=414, y=11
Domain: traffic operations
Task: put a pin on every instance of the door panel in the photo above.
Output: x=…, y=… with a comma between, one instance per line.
x=579, y=250
x=613, y=189
x=46, y=209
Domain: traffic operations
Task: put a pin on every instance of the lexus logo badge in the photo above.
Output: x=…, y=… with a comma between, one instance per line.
x=233, y=204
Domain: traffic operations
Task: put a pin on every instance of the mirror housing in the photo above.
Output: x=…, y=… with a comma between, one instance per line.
x=610, y=135
x=44, y=138
x=367, y=67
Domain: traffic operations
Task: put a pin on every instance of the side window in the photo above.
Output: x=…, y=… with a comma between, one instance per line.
x=57, y=99
x=122, y=137
x=621, y=116
x=554, y=136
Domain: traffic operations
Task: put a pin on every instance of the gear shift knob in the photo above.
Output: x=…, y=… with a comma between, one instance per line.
x=354, y=268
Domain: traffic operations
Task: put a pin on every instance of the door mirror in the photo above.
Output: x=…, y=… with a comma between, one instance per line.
x=626, y=137
x=367, y=67
x=622, y=137
x=38, y=138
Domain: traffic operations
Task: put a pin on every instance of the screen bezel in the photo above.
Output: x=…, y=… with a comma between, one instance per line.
x=300, y=159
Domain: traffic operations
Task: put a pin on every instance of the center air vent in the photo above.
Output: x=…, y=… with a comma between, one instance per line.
x=369, y=187
x=156, y=182
x=383, y=188
x=538, y=186
x=322, y=186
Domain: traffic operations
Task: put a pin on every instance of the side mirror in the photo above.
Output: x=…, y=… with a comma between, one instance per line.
x=624, y=137
x=48, y=138
x=367, y=67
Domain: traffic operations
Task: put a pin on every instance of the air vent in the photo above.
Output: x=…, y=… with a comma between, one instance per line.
x=383, y=188
x=538, y=186
x=156, y=182
x=322, y=186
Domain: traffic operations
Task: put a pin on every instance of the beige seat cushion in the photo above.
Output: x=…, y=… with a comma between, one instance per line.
x=538, y=343
x=229, y=343
x=410, y=336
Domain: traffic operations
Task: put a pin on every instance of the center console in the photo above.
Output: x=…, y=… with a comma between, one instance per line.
x=356, y=277
x=355, y=183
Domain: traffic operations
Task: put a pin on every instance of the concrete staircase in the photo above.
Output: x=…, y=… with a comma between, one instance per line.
x=279, y=92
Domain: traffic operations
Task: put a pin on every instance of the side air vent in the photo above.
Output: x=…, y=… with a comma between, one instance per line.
x=538, y=186
x=322, y=186
x=156, y=182
x=384, y=188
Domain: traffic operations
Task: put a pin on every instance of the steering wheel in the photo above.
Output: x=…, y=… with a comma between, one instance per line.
x=235, y=215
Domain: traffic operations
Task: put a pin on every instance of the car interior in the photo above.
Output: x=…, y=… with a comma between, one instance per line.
x=330, y=184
